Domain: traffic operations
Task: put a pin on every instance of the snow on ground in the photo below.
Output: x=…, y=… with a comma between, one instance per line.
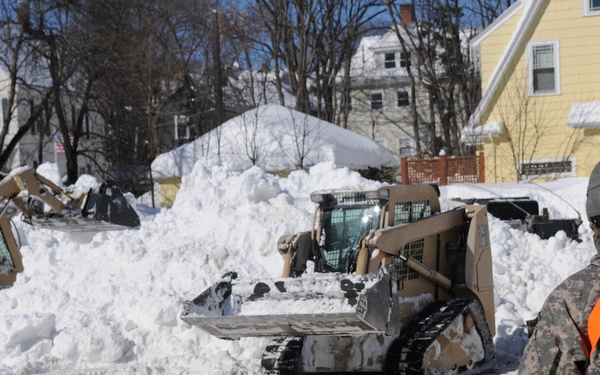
x=108, y=303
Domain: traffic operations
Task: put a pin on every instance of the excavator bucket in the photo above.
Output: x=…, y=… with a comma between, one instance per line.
x=314, y=305
x=104, y=208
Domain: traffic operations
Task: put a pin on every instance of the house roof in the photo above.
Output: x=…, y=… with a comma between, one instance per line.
x=363, y=64
x=475, y=135
x=531, y=9
x=274, y=134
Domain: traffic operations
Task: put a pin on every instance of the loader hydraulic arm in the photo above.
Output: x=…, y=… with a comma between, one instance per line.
x=392, y=240
x=34, y=185
x=426, y=272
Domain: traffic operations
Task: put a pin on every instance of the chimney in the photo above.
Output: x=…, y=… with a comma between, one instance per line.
x=23, y=13
x=407, y=12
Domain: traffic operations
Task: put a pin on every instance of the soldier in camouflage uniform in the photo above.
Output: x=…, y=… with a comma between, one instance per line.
x=559, y=343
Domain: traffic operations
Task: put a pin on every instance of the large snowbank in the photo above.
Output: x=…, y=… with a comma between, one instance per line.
x=276, y=138
x=108, y=303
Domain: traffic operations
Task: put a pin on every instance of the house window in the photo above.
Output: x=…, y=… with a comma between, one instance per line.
x=389, y=60
x=35, y=125
x=46, y=119
x=405, y=60
x=87, y=131
x=591, y=7
x=377, y=100
x=182, y=129
x=404, y=147
x=543, y=68
x=402, y=98
x=87, y=169
x=548, y=168
x=40, y=122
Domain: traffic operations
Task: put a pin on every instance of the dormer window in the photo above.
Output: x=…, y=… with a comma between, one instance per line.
x=389, y=60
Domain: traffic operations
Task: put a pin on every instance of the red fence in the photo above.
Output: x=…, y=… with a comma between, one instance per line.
x=443, y=170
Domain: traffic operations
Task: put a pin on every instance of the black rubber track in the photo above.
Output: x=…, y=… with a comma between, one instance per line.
x=405, y=355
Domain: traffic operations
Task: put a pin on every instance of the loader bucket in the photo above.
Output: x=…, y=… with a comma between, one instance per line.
x=105, y=208
x=337, y=304
x=110, y=206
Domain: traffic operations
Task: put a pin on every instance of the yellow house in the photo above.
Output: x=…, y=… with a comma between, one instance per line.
x=539, y=116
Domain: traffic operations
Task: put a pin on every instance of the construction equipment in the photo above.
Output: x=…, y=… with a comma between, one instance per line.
x=523, y=213
x=384, y=282
x=43, y=203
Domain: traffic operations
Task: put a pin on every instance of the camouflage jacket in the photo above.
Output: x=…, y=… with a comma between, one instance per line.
x=557, y=343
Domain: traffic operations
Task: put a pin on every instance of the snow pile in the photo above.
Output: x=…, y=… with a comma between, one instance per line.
x=276, y=138
x=108, y=302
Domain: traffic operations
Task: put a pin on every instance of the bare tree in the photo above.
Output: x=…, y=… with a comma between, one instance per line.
x=26, y=86
x=338, y=27
x=484, y=12
x=314, y=41
x=526, y=128
x=437, y=40
x=253, y=135
x=305, y=135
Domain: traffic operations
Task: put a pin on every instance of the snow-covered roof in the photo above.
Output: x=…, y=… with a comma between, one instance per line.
x=363, y=62
x=475, y=135
x=585, y=115
x=364, y=65
x=278, y=138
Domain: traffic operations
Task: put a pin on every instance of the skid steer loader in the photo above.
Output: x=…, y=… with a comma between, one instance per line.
x=43, y=203
x=396, y=287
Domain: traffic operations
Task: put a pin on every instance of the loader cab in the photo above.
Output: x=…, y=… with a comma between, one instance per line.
x=344, y=218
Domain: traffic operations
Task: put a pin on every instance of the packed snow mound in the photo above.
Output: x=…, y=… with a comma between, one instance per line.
x=108, y=303
x=276, y=138
x=51, y=172
x=111, y=299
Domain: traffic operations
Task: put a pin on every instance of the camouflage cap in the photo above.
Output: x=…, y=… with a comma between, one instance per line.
x=592, y=204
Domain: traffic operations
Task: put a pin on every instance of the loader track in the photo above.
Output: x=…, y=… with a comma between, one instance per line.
x=405, y=355
x=281, y=356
